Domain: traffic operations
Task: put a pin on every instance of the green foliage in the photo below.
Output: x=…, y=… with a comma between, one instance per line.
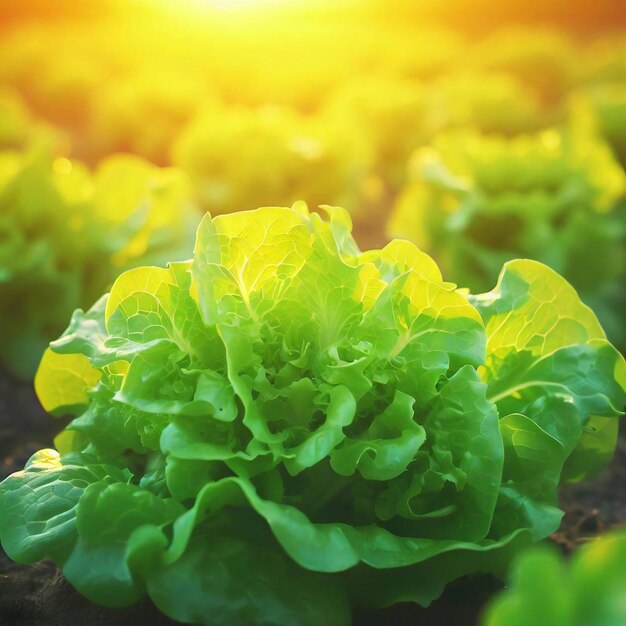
x=544, y=591
x=285, y=427
x=476, y=201
x=67, y=233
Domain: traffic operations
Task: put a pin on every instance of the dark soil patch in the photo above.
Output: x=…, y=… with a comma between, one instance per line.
x=38, y=595
x=593, y=507
x=24, y=425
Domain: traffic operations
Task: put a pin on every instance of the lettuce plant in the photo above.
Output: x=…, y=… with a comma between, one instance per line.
x=168, y=99
x=396, y=116
x=236, y=156
x=67, y=232
x=492, y=102
x=544, y=59
x=285, y=427
x=477, y=200
x=588, y=591
x=59, y=84
x=607, y=104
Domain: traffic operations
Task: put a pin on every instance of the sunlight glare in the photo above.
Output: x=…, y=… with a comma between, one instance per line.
x=229, y=5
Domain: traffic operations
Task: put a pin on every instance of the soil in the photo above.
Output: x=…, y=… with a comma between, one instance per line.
x=38, y=595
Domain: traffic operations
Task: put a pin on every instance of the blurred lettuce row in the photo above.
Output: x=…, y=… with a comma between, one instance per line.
x=56, y=75
x=167, y=99
x=605, y=60
x=492, y=101
x=396, y=115
x=590, y=590
x=66, y=233
x=94, y=95
x=353, y=151
x=239, y=157
x=543, y=59
x=477, y=200
x=286, y=427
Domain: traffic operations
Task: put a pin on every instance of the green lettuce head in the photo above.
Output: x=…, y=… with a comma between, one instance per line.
x=286, y=427
x=589, y=591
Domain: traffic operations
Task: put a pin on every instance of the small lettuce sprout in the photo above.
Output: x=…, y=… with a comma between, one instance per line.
x=588, y=591
x=67, y=233
x=285, y=427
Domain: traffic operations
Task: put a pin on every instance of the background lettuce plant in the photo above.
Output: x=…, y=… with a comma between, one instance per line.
x=588, y=591
x=285, y=426
x=491, y=102
x=238, y=157
x=477, y=200
x=67, y=232
x=394, y=115
x=544, y=59
x=606, y=106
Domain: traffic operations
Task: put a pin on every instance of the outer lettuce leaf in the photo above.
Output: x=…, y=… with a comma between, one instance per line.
x=424, y=582
x=545, y=345
x=552, y=375
x=234, y=574
x=39, y=504
x=111, y=521
x=69, y=377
